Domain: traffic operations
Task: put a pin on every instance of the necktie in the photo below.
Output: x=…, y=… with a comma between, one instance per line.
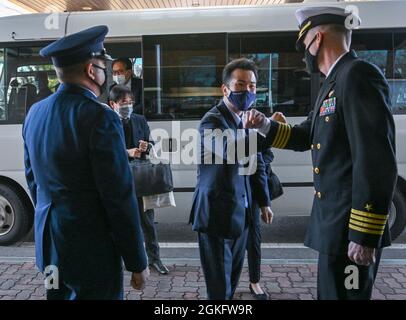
x=240, y=126
x=127, y=133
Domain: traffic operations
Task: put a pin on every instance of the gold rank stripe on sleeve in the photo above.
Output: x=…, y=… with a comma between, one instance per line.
x=282, y=136
x=366, y=225
x=364, y=230
x=367, y=220
x=369, y=217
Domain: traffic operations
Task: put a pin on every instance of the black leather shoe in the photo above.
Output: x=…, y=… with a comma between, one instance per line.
x=258, y=296
x=159, y=267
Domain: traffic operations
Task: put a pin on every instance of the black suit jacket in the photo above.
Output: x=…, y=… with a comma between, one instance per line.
x=136, y=88
x=351, y=133
x=140, y=130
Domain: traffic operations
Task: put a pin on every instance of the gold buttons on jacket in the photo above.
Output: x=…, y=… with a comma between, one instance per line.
x=316, y=170
x=327, y=119
x=312, y=146
x=318, y=195
x=318, y=146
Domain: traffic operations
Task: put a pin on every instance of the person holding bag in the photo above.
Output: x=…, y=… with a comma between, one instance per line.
x=137, y=134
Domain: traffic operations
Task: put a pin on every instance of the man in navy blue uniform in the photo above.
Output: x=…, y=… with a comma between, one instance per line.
x=222, y=203
x=351, y=134
x=86, y=212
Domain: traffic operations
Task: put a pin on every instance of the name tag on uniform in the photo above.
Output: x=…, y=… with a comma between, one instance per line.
x=328, y=107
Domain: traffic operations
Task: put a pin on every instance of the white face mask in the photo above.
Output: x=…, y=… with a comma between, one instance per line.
x=125, y=111
x=119, y=79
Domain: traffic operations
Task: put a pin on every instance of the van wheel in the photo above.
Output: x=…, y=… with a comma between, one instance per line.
x=397, y=214
x=16, y=216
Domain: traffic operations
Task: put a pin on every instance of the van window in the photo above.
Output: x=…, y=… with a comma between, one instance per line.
x=182, y=75
x=398, y=83
x=283, y=84
x=387, y=50
x=26, y=78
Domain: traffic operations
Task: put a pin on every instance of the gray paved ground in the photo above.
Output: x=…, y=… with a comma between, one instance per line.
x=287, y=273
x=21, y=281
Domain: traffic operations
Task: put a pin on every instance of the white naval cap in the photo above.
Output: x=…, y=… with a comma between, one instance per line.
x=310, y=17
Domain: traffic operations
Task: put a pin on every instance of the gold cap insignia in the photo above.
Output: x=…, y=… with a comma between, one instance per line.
x=304, y=29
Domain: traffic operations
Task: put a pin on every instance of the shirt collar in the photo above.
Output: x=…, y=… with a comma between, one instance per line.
x=236, y=117
x=128, y=84
x=334, y=64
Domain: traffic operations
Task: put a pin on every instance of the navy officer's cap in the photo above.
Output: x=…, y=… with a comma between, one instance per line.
x=310, y=17
x=78, y=47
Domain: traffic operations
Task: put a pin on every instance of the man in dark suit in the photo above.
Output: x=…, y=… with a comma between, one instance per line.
x=43, y=86
x=351, y=125
x=137, y=139
x=86, y=214
x=123, y=75
x=222, y=202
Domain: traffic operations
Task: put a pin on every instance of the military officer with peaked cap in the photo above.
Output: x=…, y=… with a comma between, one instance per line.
x=351, y=135
x=86, y=212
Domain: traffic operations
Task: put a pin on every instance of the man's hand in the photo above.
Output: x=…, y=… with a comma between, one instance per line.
x=143, y=146
x=253, y=119
x=279, y=117
x=267, y=215
x=138, y=280
x=361, y=255
x=134, y=153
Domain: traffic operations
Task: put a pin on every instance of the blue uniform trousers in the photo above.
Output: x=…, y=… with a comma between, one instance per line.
x=222, y=261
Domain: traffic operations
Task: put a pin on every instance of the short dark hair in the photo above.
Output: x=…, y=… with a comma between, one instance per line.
x=126, y=61
x=242, y=63
x=347, y=33
x=338, y=29
x=120, y=92
x=70, y=73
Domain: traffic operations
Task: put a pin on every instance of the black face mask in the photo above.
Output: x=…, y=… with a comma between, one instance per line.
x=311, y=60
x=103, y=86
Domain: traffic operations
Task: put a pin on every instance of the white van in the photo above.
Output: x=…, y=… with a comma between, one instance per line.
x=180, y=55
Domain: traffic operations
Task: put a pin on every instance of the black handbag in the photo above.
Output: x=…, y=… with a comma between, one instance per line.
x=151, y=178
x=275, y=186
